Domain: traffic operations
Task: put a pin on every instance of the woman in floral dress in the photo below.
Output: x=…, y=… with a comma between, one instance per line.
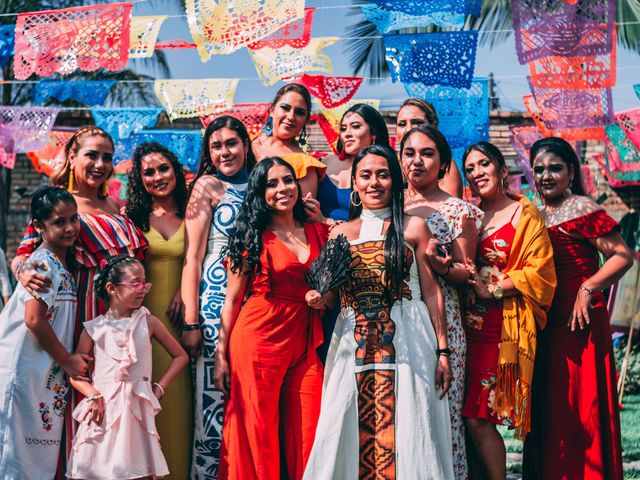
x=454, y=224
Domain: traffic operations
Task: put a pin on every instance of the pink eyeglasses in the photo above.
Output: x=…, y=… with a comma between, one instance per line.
x=138, y=287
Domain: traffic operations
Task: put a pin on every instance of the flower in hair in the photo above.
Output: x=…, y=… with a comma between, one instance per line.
x=103, y=263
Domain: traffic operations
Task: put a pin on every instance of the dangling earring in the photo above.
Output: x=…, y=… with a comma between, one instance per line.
x=70, y=184
x=342, y=155
x=267, y=128
x=303, y=136
x=373, y=140
x=353, y=201
x=104, y=189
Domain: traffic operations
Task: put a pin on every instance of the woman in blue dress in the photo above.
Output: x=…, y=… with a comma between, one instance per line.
x=215, y=199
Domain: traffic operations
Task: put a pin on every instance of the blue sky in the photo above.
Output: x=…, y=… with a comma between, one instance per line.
x=332, y=19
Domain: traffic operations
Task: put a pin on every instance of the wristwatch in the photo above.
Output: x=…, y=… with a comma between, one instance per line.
x=497, y=292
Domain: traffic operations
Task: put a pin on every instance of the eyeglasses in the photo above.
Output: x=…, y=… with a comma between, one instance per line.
x=137, y=286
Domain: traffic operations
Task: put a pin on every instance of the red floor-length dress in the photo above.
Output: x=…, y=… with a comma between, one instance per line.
x=575, y=423
x=276, y=376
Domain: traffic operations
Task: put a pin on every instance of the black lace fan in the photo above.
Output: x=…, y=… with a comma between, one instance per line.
x=331, y=268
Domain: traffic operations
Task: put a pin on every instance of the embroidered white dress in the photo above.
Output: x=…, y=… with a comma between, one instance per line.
x=381, y=416
x=446, y=224
x=126, y=444
x=33, y=388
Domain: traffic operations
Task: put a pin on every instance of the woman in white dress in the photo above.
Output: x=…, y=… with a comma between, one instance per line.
x=384, y=411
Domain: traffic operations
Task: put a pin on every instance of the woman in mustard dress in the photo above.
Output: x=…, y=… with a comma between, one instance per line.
x=156, y=202
x=284, y=133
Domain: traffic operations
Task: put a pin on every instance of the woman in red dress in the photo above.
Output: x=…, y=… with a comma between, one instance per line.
x=575, y=423
x=513, y=286
x=266, y=363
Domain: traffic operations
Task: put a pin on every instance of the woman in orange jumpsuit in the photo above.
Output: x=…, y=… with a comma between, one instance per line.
x=266, y=362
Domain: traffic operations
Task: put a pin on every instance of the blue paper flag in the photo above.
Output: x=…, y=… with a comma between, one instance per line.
x=7, y=42
x=637, y=89
x=89, y=92
x=184, y=143
x=444, y=58
x=463, y=112
x=123, y=122
x=429, y=7
x=389, y=17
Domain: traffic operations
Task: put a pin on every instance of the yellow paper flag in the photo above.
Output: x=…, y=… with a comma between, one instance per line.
x=195, y=98
x=222, y=27
x=275, y=64
x=143, y=35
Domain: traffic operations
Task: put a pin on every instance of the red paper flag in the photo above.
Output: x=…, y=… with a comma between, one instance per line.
x=331, y=91
x=253, y=115
x=64, y=40
x=296, y=34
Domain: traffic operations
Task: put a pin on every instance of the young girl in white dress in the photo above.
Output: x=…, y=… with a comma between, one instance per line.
x=117, y=436
x=36, y=336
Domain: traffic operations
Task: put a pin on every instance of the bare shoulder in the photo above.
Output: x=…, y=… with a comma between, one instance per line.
x=208, y=186
x=350, y=229
x=113, y=206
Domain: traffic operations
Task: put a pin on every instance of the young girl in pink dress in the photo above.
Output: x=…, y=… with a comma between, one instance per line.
x=117, y=436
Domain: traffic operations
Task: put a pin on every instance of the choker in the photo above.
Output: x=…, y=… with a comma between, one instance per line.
x=240, y=177
x=373, y=222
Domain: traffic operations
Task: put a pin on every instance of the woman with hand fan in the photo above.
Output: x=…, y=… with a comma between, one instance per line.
x=266, y=362
x=387, y=372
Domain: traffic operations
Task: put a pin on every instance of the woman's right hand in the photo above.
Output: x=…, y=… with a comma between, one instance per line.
x=221, y=373
x=95, y=410
x=192, y=342
x=77, y=366
x=315, y=300
x=33, y=281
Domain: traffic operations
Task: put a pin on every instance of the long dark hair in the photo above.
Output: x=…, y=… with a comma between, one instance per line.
x=562, y=149
x=139, y=202
x=441, y=144
x=375, y=121
x=394, y=239
x=245, y=243
x=225, y=121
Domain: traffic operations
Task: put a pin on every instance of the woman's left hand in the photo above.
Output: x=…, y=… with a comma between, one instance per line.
x=175, y=311
x=480, y=288
x=580, y=313
x=444, y=375
x=315, y=300
x=312, y=209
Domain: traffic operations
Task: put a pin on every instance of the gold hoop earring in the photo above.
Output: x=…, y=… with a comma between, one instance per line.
x=70, y=182
x=352, y=201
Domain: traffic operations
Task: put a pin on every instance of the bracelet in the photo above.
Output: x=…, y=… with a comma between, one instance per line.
x=444, y=351
x=94, y=398
x=188, y=327
x=156, y=384
x=448, y=270
x=586, y=289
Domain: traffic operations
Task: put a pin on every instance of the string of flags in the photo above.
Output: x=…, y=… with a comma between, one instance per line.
x=568, y=45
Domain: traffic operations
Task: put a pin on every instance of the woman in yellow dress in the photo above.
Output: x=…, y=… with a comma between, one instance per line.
x=156, y=202
x=284, y=133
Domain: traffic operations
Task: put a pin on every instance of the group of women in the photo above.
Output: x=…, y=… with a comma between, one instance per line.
x=455, y=317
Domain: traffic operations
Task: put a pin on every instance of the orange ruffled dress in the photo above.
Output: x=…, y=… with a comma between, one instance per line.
x=126, y=445
x=301, y=163
x=276, y=375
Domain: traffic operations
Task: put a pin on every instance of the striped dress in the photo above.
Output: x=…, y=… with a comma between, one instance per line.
x=101, y=236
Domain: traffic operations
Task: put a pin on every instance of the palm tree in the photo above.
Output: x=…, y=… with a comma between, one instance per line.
x=366, y=52
x=136, y=91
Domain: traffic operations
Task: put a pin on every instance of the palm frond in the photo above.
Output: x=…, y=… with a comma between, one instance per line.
x=495, y=24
